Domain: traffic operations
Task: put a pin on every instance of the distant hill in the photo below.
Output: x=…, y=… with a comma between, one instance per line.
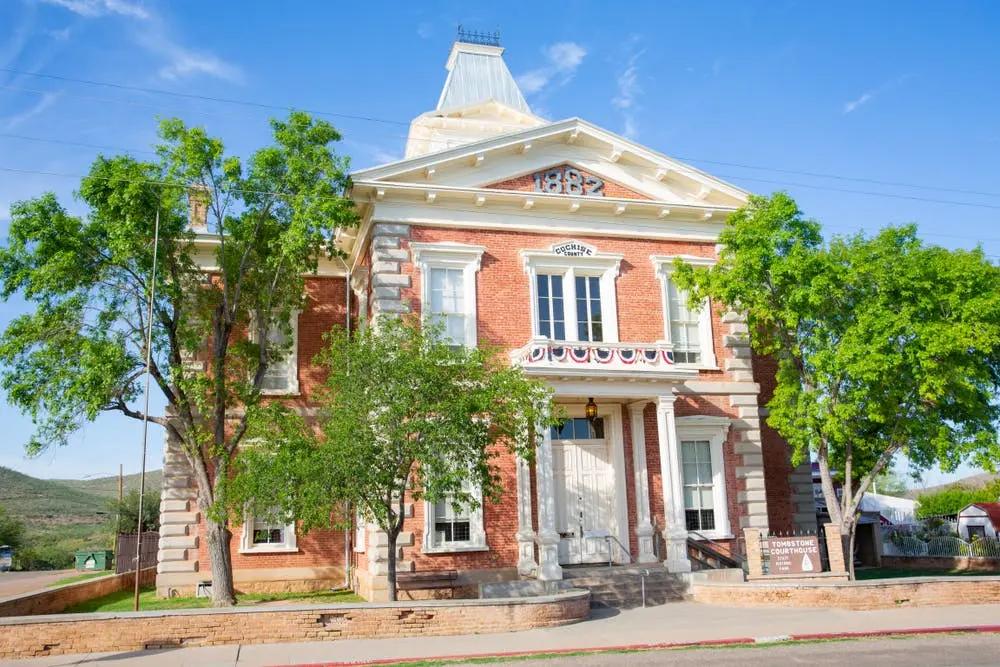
x=63, y=500
x=108, y=486
x=977, y=481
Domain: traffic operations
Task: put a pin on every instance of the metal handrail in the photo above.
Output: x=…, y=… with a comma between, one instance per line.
x=645, y=572
x=607, y=539
x=721, y=548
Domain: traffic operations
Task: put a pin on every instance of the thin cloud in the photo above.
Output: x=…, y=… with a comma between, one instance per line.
x=12, y=122
x=849, y=107
x=184, y=63
x=867, y=96
x=629, y=90
x=95, y=8
x=425, y=30
x=562, y=61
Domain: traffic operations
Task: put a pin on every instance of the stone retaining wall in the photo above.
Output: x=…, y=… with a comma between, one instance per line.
x=88, y=633
x=859, y=595
x=54, y=600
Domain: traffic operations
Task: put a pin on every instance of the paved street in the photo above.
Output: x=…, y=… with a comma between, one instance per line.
x=671, y=623
x=15, y=583
x=936, y=651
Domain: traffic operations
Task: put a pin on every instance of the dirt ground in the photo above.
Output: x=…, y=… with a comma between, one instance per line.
x=15, y=583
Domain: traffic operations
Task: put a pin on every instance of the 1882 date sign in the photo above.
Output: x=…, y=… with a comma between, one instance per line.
x=568, y=181
x=794, y=555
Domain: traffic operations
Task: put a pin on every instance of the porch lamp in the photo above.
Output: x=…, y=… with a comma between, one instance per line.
x=591, y=410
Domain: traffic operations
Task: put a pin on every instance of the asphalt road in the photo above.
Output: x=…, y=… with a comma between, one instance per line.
x=15, y=583
x=929, y=651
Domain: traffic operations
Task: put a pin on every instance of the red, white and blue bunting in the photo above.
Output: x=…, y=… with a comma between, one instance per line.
x=599, y=355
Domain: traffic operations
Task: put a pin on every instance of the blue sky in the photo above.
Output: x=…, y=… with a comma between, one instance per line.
x=838, y=103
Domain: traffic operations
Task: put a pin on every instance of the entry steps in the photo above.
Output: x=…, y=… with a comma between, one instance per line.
x=620, y=586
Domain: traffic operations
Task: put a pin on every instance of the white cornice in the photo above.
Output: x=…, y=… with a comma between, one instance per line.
x=378, y=190
x=572, y=128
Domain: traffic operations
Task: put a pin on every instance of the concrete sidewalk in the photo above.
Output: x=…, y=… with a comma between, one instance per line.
x=672, y=623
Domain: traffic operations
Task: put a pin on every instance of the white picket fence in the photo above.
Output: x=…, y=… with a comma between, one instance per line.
x=908, y=545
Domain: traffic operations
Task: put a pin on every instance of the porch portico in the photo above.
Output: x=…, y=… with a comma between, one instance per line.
x=586, y=480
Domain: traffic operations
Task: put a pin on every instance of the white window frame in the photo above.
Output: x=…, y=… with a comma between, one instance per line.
x=664, y=267
x=477, y=532
x=290, y=545
x=605, y=266
x=468, y=258
x=714, y=430
x=291, y=357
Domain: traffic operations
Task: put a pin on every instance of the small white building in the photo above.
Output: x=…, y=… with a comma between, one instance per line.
x=893, y=511
x=979, y=520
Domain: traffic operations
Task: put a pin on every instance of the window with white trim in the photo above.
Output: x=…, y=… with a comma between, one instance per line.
x=281, y=377
x=685, y=326
x=702, y=474
x=262, y=535
x=447, y=303
x=551, y=306
x=573, y=296
x=448, y=287
x=688, y=329
x=698, y=481
x=454, y=527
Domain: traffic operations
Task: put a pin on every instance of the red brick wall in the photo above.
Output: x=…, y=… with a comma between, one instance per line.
x=214, y=627
x=325, y=308
x=526, y=183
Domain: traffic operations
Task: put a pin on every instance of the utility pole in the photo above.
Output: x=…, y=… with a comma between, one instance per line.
x=145, y=411
x=118, y=515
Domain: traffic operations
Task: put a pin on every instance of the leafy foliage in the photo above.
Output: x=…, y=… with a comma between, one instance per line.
x=11, y=529
x=884, y=344
x=124, y=515
x=947, y=502
x=82, y=350
x=404, y=416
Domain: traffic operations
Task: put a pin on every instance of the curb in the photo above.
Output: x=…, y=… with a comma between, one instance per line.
x=734, y=641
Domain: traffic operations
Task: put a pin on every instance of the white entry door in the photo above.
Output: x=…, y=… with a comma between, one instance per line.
x=585, y=491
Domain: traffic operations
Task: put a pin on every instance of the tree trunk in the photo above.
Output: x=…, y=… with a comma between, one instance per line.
x=217, y=535
x=391, y=536
x=852, y=531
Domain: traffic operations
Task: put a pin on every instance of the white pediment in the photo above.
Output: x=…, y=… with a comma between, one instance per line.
x=492, y=162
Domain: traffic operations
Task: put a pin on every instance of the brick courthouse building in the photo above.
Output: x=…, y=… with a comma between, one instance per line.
x=555, y=241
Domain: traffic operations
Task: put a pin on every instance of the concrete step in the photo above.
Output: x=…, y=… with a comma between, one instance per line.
x=622, y=586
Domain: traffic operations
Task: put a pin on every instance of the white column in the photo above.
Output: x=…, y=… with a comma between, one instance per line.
x=675, y=533
x=526, y=564
x=548, y=537
x=645, y=528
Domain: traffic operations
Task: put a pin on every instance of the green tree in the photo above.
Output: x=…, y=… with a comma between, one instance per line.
x=947, y=502
x=82, y=351
x=11, y=530
x=404, y=415
x=884, y=345
x=124, y=515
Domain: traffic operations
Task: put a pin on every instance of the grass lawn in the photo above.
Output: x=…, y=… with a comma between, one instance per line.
x=80, y=577
x=122, y=601
x=899, y=572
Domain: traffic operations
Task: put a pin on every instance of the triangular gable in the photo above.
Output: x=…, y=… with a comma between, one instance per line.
x=656, y=176
x=567, y=179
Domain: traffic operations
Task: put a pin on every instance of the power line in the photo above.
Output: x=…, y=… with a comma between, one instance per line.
x=282, y=194
x=372, y=119
x=867, y=193
x=192, y=96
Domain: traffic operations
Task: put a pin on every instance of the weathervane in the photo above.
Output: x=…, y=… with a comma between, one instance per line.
x=476, y=37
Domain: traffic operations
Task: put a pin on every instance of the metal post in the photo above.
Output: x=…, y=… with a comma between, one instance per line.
x=145, y=411
x=644, y=573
